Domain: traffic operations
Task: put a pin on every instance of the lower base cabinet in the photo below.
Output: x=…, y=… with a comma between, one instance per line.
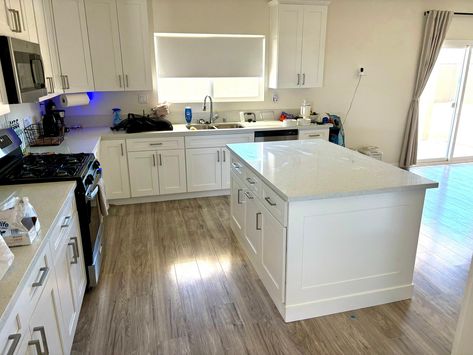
x=237, y=206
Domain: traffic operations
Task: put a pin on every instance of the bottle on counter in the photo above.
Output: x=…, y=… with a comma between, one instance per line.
x=188, y=114
x=116, y=119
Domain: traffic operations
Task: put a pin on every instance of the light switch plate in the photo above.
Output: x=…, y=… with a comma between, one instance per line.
x=143, y=99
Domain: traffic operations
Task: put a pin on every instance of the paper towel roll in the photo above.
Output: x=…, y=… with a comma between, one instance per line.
x=70, y=100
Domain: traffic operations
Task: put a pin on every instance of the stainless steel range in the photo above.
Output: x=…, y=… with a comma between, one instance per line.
x=15, y=168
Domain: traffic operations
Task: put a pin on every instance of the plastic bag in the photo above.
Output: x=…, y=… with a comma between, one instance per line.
x=19, y=224
x=6, y=258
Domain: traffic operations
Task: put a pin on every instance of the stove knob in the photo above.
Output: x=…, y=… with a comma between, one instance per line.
x=96, y=164
x=89, y=180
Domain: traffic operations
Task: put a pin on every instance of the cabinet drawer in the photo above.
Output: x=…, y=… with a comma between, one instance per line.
x=63, y=226
x=143, y=144
x=275, y=204
x=314, y=134
x=214, y=140
x=253, y=183
x=238, y=168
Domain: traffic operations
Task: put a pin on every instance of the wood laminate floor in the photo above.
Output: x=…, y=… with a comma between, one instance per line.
x=175, y=281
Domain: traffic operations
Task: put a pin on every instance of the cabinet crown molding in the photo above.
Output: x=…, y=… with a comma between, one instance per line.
x=299, y=2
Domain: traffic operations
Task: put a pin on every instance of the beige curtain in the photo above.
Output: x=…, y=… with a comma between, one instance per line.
x=436, y=27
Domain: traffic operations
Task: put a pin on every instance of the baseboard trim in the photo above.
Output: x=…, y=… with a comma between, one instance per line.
x=347, y=303
x=161, y=198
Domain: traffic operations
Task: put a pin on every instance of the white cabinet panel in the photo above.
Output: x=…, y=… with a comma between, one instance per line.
x=115, y=168
x=73, y=45
x=45, y=322
x=135, y=40
x=204, y=170
x=104, y=38
x=313, y=45
x=314, y=134
x=77, y=262
x=172, y=171
x=143, y=174
x=226, y=168
x=253, y=227
x=237, y=206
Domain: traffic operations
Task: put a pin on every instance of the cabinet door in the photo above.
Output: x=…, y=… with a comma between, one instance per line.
x=65, y=287
x=172, y=171
x=290, y=46
x=45, y=322
x=226, y=168
x=135, y=39
x=17, y=19
x=77, y=262
x=143, y=174
x=273, y=256
x=253, y=227
x=102, y=22
x=73, y=45
x=313, y=45
x=204, y=169
x=115, y=169
x=237, y=206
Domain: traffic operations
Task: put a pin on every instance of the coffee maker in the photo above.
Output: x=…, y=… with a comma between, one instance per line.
x=53, y=120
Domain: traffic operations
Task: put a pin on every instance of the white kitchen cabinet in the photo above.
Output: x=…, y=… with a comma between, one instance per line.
x=172, y=171
x=297, y=41
x=45, y=322
x=115, y=168
x=17, y=20
x=225, y=168
x=237, y=206
x=204, y=169
x=73, y=45
x=143, y=174
x=135, y=39
x=314, y=134
x=253, y=227
x=77, y=262
x=120, y=44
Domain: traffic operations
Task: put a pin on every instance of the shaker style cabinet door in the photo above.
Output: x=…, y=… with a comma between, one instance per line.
x=115, y=168
x=226, y=168
x=105, y=51
x=143, y=173
x=135, y=40
x=253, y=228
x=73, y=45
x=237, y=207
x=172, y=171
x=204, y=171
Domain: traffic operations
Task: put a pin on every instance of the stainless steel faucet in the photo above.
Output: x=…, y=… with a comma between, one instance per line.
x=212, y=118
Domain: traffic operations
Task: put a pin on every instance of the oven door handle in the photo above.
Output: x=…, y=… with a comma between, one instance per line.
x=90, y=196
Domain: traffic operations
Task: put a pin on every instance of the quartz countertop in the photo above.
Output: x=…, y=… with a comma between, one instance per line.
x=47, y=199
x=316, y=169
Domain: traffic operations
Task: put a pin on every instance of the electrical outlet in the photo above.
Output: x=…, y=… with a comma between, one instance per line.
x=275, y=98
x=143, y=99
x=362, y=71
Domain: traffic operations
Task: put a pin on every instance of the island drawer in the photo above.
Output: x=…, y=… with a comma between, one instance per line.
x=145, y=144
x=275, y=204
x=238, y=167
x=253, y=183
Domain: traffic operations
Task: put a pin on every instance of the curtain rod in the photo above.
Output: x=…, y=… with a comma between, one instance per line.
x=456, y=13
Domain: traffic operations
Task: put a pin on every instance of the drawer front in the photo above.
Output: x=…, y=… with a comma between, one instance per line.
x=143, y=144
x=314, y=134
x=238, y=168
x=275, y=205
x=254, y=184
x=62, y=228
x=14, y=332
x=215, y=141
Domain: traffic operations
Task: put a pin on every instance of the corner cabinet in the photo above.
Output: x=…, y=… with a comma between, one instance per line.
x=115, y=168
x=297, y=40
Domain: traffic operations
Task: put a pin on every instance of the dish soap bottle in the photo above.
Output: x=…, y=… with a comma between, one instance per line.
x=116, y=119
x=188, y=114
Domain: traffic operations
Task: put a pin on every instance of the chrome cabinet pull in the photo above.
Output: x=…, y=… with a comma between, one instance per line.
x=258, y=226
x=45, y=271
x=121, y=147
x=50, y=82
x=63, y=82
x=76, y=247
x=19, y=20
x=224, y=156
x=218, y=156
x=268, y=200
x=120, y=80
x=74, y=255
x=160, y=160
x=298, y=79
x=250, y=181
x=67, y=222
x=126, y=80
x=12, y=21
x=67, y=82
x=236, y=165
x=249, y=195
x=156, y=144
x=16, y=340
x=238, y=196
x=303, y=79
x=37, y=344
x=154, y=160
x=314, y=135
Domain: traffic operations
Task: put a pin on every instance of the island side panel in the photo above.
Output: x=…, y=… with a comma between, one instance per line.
x=351, y=252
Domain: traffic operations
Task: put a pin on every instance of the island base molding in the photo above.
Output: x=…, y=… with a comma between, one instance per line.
x=320, y=308
x=171, y=197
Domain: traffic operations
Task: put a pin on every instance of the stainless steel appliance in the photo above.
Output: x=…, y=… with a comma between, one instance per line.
x=23, y=70
x=82, y=168
x=277, y=135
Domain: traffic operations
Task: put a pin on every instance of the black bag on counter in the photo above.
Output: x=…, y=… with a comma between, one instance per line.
x=137, y=123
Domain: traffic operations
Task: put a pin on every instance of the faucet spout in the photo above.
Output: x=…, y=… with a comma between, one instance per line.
x=204, y=107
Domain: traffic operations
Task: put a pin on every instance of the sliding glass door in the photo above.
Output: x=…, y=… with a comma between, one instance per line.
x=446, y=107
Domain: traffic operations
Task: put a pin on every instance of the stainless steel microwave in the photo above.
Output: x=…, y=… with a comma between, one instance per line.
x=23, y=70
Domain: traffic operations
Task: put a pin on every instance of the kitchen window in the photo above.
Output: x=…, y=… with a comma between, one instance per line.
x=230, y=68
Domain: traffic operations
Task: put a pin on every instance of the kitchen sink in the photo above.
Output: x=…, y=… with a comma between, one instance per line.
x=227, y=125
x=200, y=126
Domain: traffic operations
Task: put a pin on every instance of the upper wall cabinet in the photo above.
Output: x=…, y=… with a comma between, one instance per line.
x=119, y=44
x=297, y=41
x=17, y=20
x=72, y=45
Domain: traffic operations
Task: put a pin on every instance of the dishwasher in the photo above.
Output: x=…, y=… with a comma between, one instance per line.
x=277, y=135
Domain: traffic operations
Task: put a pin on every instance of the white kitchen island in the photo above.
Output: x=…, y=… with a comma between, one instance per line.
x=327, y=229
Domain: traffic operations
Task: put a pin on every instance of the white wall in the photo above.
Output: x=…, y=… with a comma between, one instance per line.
x=381, y=35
